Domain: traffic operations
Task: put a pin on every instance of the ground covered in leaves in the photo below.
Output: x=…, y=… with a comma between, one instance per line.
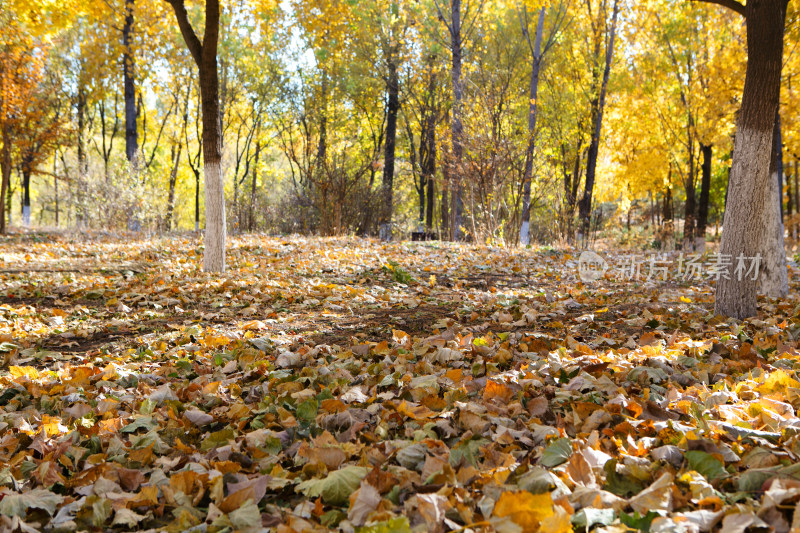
x=325, y=384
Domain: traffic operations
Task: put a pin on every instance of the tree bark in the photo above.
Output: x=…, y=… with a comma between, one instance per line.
x=773, y=278
x=429, y=167
x=205, y=56
x=393, y=106
x=27, y=161
x=536, y=65
x=129, y=84
x=751, y=220
x=457, y=127
x=789, y=200
x=705, y=190
x=5, y=181
x=173, y=178
x=585, y=205
x=691, y=204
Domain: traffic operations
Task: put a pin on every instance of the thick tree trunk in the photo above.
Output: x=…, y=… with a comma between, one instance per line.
x=392, y=108
x=705, y=191
x=751, y=218
x=205, y=56
x=536, y=66
x=128, y=76
x=585, y=205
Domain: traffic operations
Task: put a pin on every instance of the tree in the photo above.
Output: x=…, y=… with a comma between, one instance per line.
x=537, y=58
x=751, y=223
x=598, y=103
x=205, y=56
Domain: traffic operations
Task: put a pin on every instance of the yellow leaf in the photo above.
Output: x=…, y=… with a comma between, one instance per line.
x=525, y=509
x=559, y=522
x=685, y=300
x=23, y=371
x=778, y=381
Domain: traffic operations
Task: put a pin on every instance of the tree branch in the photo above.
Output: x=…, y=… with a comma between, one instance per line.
x=192, y=42
x=730, y=4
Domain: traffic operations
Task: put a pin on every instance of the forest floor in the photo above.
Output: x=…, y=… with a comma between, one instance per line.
x=345, y=383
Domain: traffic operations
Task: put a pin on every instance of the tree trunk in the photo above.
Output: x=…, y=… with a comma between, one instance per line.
x=751, y=219
x=393, y=106
x=773, y=279
x=456, y=47
x=429, y=167
x=789, y=200
x=81, y=112
x=705, y=190
x=796, y=186
x=27, y=161
x=173, y=178
x=524, y=231
x=5, y=181
x=691, y=204
x=205, y=56
x=585, y=205
x=128, y=75
x=251, y=218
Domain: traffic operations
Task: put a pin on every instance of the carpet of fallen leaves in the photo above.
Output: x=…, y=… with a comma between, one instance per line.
x=324, y=384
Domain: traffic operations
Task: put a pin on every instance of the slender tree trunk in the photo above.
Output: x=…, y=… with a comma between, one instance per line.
x=27, y=161
x=789, y=200
x=5, y=181
x=173, y=178
x=691, y=204
x=796, y=186
x=393, y=106
x=81, y=112
x=751, y=221
x=773, y=278
x=129, y=83
x=705, y=191
x=205, y=56
x=55, y=183
x=778, y=148
x=536, y=65
x=585, y=205
x=456, y=47
x=251, y=218
x=197, y=200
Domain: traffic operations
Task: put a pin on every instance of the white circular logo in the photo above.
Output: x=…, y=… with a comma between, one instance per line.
x=591, y=266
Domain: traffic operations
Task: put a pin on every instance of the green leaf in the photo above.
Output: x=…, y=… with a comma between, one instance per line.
x=145, y=422
x=18, y=504
x=467, y=450
x=557, y=452
x=636, y=521
x=217, y=439
x=706, y=464
x=337, y=487
x=620, y=485
x=307, y=411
